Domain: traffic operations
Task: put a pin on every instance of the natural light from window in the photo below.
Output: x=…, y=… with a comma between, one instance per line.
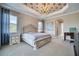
x=13, y=24
x=40, y=25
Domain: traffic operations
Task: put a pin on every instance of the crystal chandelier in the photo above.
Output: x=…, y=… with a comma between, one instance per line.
x=46, y=8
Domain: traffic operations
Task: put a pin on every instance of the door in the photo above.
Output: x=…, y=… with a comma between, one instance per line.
x=0, y=26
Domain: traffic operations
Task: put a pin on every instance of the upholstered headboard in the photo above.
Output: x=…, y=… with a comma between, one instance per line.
x=29, y=28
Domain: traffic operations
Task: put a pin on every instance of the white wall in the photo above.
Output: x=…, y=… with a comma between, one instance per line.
x=24, y=20
x=27, y=20
x=71, y=21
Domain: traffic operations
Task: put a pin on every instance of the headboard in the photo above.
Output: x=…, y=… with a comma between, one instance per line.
x=29, y=28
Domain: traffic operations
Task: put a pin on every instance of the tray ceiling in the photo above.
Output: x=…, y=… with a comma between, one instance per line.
x=68, y=8
x=45, y=8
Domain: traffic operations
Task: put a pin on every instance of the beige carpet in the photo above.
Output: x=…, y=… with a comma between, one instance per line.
x=55, y=48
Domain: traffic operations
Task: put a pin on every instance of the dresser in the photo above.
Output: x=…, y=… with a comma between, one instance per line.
x=71, y=34
x=14, y=38
x=76, y=44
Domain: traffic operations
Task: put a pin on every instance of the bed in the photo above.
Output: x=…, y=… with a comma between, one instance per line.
x=34, y=39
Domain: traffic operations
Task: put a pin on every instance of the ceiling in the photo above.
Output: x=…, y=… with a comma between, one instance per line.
x=46, y=8
x=24, y=8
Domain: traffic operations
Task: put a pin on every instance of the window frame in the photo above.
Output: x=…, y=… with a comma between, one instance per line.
x=16, y=24
x=40, y=29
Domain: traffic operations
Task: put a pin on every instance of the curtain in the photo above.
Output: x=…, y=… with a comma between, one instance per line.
x=43, y=26
x=5, y=21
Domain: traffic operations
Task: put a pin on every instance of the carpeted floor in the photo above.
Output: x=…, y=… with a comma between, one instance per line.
x=55, y=48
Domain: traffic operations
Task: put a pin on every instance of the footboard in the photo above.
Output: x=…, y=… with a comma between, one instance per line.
x=42, y=42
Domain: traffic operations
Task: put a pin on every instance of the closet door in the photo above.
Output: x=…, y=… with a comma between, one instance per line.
x=0, y=26
x=76, y=43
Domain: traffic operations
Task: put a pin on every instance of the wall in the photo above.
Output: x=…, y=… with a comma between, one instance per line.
x=28, y=20
x=18, y=20
x=71, y=20
x=24, y=20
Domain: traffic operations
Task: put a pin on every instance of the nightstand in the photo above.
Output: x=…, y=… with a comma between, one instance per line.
x=14, y=38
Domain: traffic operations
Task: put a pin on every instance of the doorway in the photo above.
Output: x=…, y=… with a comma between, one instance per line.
x=59, y=27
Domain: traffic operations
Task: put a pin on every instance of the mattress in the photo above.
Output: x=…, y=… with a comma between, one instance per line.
x=36, y=36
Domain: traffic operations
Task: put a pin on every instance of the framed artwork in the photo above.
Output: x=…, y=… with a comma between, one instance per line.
x=73, y=29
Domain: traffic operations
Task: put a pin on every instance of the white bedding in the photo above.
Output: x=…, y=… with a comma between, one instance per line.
x=31, y=38
x=35, y=36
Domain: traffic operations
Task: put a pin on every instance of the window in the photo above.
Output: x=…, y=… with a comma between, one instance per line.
x=49, y=27
x=62, y=29
x=40, y=26
x=13, y=24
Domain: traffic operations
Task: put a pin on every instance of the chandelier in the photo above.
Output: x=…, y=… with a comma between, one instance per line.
x=45, y=8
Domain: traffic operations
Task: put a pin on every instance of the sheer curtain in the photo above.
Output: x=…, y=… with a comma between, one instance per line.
x=5, y=21
x=41, y=26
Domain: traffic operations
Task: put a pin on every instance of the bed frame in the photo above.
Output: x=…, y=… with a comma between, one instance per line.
x=40, y=43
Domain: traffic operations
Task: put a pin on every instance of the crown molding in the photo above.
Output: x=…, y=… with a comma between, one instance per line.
x=28, y=11
x=63, y=15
